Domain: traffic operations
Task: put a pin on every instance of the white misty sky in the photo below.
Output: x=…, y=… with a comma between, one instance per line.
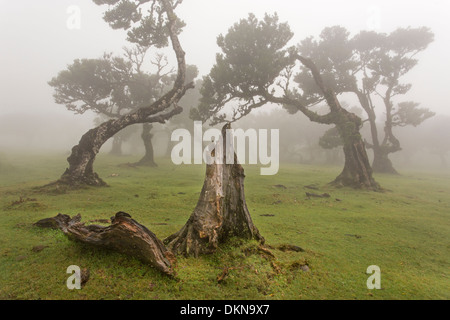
x=36, y=42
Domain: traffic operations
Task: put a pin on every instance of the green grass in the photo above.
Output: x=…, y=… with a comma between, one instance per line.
x=405, y=231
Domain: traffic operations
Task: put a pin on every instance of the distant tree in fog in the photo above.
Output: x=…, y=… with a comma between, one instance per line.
x=371, y=65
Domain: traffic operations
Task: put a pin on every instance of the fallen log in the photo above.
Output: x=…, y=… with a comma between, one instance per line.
x=124, y=235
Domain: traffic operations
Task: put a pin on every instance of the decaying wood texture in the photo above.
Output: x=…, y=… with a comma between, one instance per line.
x=221, y=211
x=124, y=235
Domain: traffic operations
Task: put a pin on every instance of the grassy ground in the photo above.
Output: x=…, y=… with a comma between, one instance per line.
x=405, y=231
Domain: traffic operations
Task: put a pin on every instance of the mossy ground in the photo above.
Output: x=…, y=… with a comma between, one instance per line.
x=404, y=230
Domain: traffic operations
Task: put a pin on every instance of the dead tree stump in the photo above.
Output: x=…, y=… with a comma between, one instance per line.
x=221, y=211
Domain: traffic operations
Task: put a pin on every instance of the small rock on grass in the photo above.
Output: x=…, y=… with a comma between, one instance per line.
x=305, y=268
x=85, y=275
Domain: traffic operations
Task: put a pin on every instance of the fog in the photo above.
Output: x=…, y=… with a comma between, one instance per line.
x=37, y=43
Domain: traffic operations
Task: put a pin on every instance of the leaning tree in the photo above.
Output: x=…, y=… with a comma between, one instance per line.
x=256, y=68
x=151, y=23
x=370, y=65
x=112, y=87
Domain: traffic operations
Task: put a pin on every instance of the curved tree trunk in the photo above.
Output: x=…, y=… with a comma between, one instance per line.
x=149, y=157
x=221, y=212
x=81, y=171
x=81, y=161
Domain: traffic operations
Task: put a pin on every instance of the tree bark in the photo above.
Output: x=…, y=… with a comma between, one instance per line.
x=124, y=235
x=357, y=171
x=221, y=212
x=81, y=160
x=149, y=157
x=80, y=171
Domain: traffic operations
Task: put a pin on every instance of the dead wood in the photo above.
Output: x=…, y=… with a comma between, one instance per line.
x=124, y=235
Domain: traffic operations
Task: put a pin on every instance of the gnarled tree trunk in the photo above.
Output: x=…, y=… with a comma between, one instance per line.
x=124, y=235
x=81, y=160
x=357, y=171
x=221, y=211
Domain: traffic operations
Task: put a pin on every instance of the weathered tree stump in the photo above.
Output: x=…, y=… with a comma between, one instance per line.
x=221, y=211
x=124, y=235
